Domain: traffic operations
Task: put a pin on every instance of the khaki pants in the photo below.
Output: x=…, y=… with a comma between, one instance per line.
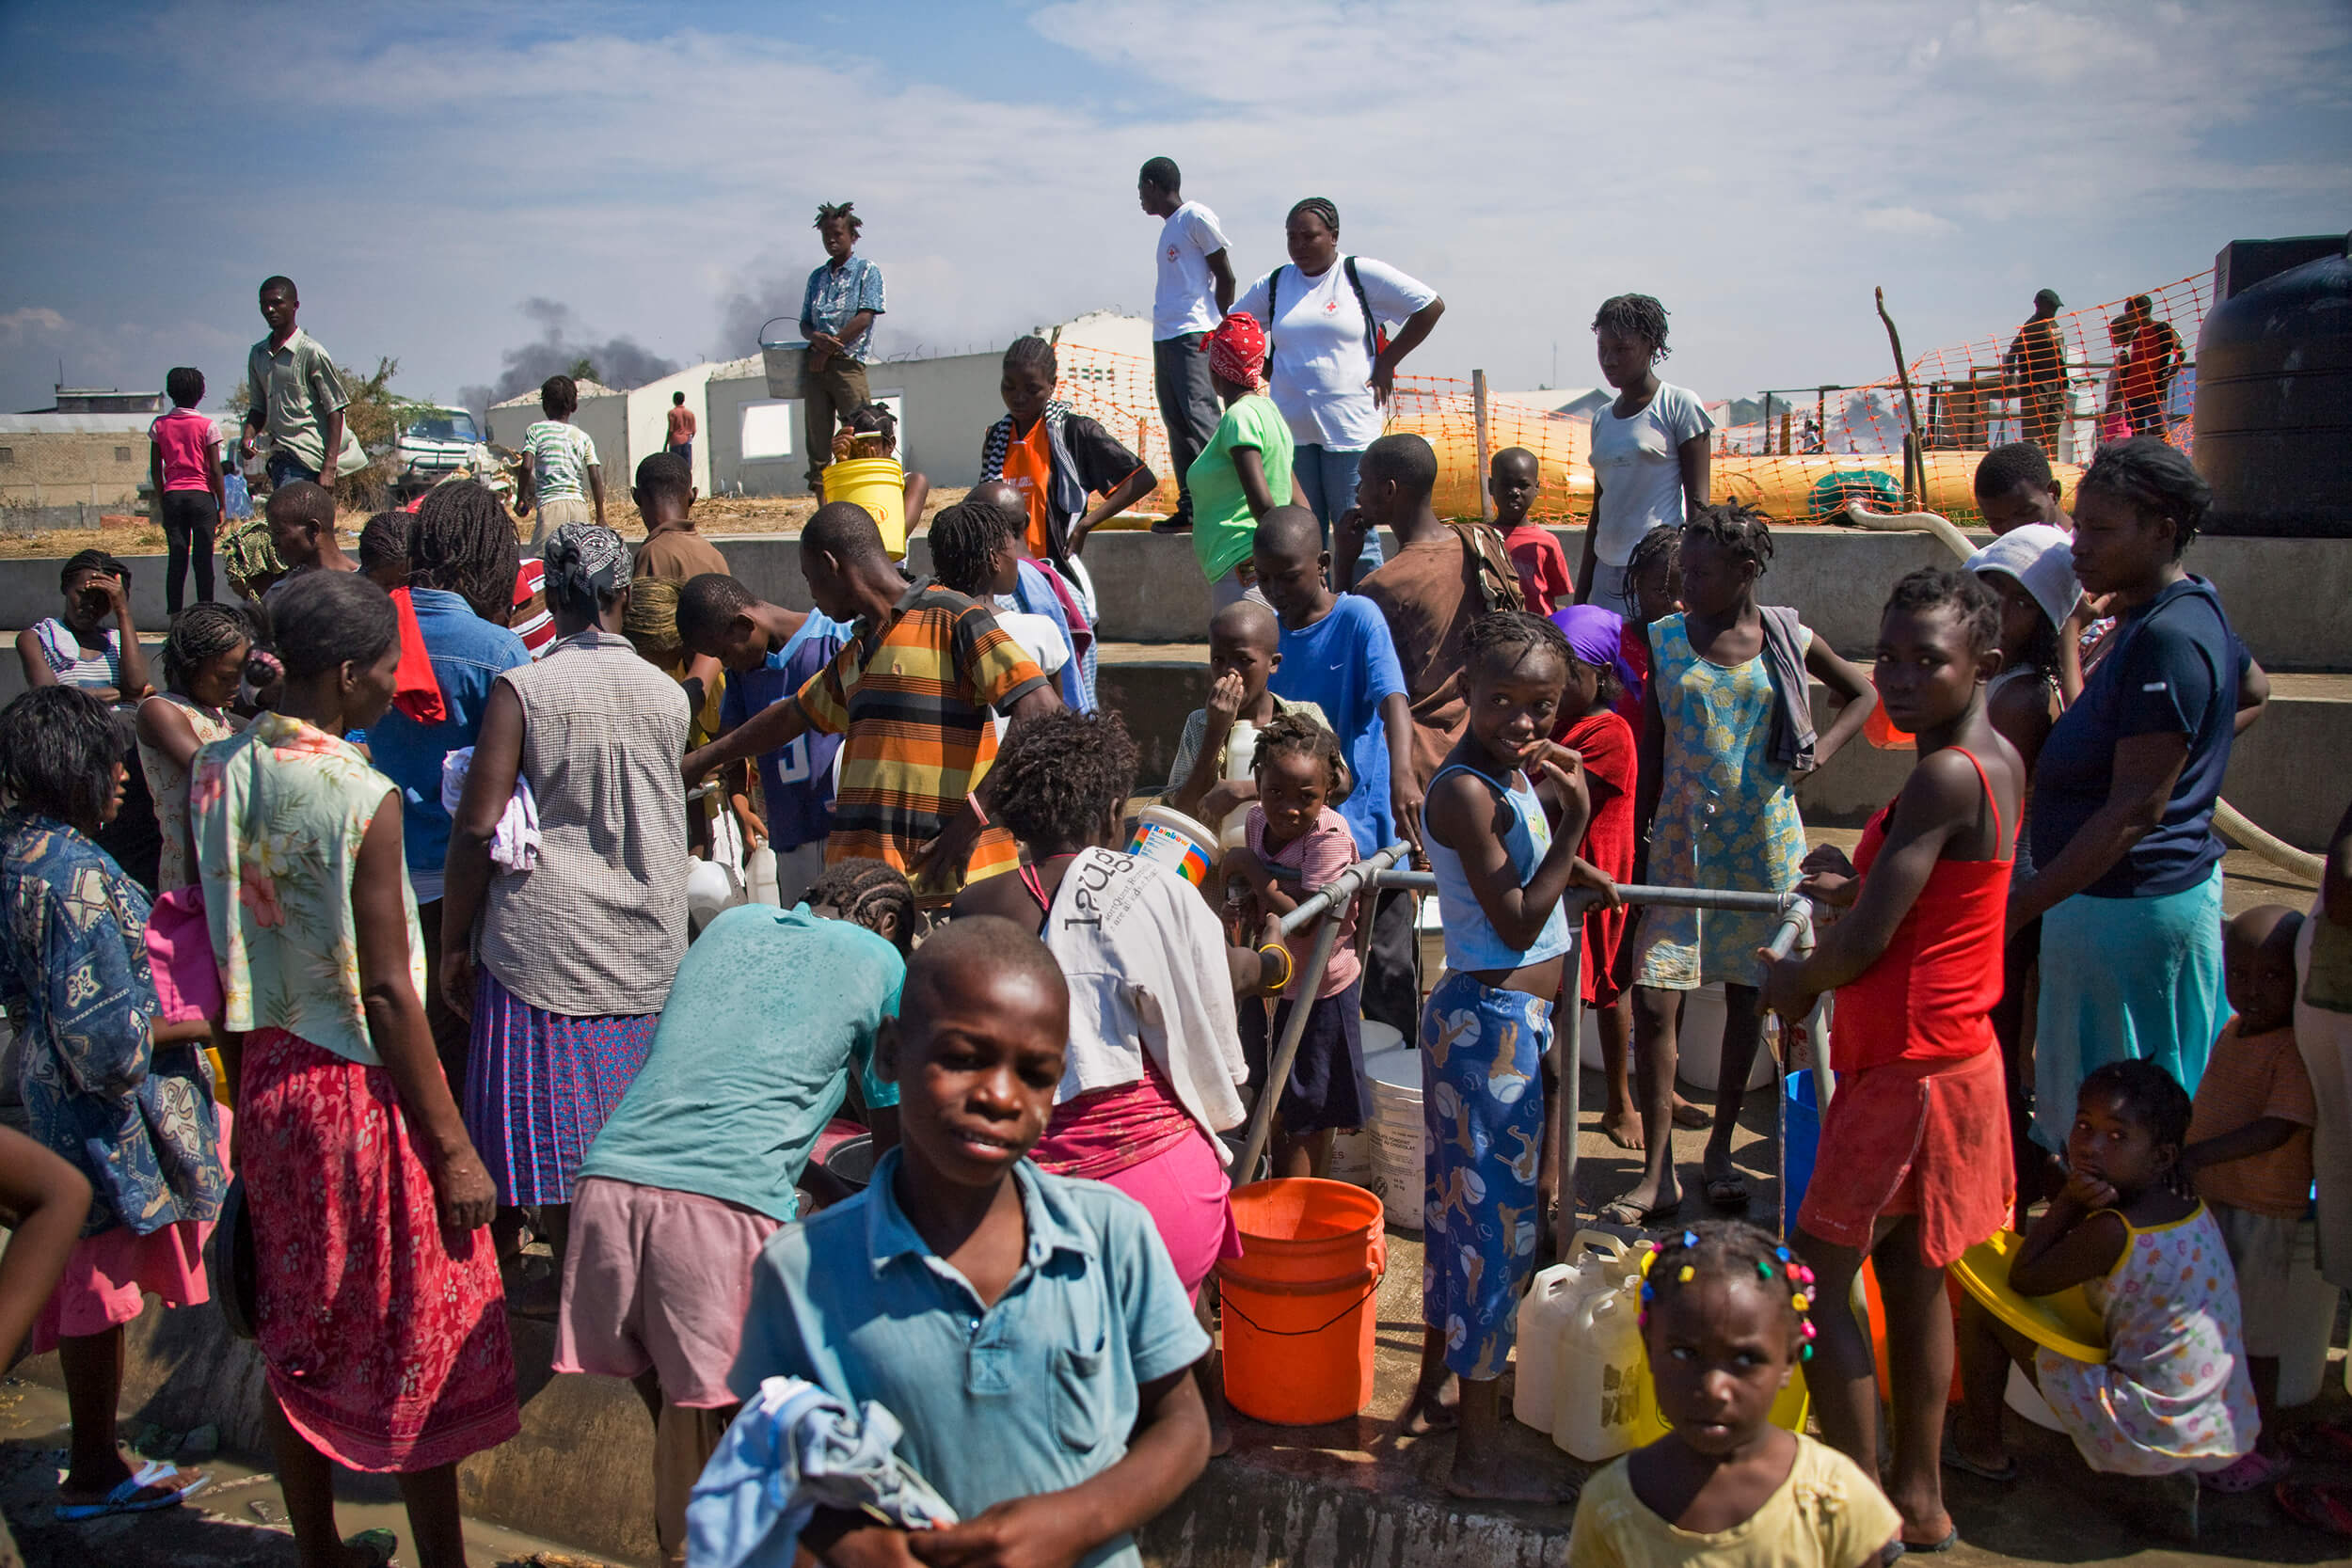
x=548, y=515
x=829, y=393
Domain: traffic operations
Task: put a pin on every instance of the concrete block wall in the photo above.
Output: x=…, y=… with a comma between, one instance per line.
x=948, y=406
x=47, y=468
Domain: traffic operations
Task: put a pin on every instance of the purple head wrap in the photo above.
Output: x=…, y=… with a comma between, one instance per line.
x=1597, y=636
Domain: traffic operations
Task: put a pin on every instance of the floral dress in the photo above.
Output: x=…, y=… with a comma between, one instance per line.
x=1726, y=814
x=167, y=781
x=2174, y=1393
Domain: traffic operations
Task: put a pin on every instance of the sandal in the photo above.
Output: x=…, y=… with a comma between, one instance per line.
x=2247, y=1473
x=2001, y=1474
x=2327, y=1442
x=378, y=1544
x=154, y=1476
x=2323, y=1507
x=1626, y=1214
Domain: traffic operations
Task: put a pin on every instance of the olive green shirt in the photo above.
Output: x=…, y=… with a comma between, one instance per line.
x=295, y=387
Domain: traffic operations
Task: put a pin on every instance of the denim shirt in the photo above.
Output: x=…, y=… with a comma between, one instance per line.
x=138, y=1119
x=835, y=293
x=469, y=654
x=1033, y=1394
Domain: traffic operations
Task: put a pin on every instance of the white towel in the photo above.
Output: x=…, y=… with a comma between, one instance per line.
x=515, y=843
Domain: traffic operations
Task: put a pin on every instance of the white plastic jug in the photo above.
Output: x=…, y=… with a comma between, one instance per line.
x=1597, y=1264
x=1596, y=1415
x=760, y=877
x=1240, y=751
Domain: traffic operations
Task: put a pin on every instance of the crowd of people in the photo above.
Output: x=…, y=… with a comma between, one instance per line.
x=571, y=892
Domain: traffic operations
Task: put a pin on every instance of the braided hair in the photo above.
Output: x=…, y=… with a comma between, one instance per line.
x=1503, y=639
x=1033, y=352
x=2152, y=1097
x=384, y=541
x=845, y=211
x=1971, y=602
x=1320, y=206
x=966, y=538
x=1737, y=526
x=1663, y=543
x=2155, y=479
x=1059, y=776
x=464, y=545
x=864, y=891
x=199, y=634
x=1296, y=734
x=1730, y=1249
x=1636, y=316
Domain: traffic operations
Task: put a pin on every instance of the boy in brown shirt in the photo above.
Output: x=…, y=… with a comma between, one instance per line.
x=665, y=500
x=2250, y=1148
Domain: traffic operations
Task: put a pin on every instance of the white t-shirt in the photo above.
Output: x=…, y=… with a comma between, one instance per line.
x=1322, y=369
x=1185, y=299
x=562, y=454
x=1636, y=466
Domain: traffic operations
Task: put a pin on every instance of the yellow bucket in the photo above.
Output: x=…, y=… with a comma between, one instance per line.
x=879, y=486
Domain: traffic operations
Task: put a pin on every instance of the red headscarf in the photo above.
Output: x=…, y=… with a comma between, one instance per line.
x=1236, y=351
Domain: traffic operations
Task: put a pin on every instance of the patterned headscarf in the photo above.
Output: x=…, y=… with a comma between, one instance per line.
x=1236, y=351
x=1597, y=637
x=587, y=563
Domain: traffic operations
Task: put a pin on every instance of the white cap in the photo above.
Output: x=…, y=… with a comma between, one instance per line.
x=2042, y=558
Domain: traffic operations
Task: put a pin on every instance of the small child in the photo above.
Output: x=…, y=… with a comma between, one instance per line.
x=976, y=551
x=1502, y=867
x=664, y=494
x=1296, y=842
x=1514, y=478
x=1056, y=457
x=1041, y=589
x=1724, y=1319
x=2250, y=1148
x=1654, y=572
x=204, y=660
x=1244, y=471
x=1245, y=651
x=563, y=475
x=1027, y=1330
x=1915, y=1153
x=872, y=433
x=184, y=467
x=2174, y=1393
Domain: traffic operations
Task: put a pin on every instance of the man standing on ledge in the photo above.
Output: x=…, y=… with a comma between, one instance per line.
x=681, y=430
x=1195, y=290
x=290, y=379
x=2034, y=371
x=837, y=313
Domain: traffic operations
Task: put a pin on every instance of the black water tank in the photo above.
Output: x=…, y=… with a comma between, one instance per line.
x=2274, y=403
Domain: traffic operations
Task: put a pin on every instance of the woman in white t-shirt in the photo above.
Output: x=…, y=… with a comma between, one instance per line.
x=563, y=476
x=1649, y=450
x=1330, y=362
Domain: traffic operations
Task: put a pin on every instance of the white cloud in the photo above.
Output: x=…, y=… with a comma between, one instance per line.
x=31, y=320
x=1906, y=220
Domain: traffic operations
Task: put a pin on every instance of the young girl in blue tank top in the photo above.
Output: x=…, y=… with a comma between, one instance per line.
x=1503, y=861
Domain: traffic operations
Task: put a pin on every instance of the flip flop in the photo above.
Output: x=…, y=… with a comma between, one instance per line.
x=1629, y=1215
x=1932, y=1548
x=2000, y=1474
x=2328, y=1442
x=378, y=1544
x=2323, y=1508
x=125, y=1497
x=2247, y=1473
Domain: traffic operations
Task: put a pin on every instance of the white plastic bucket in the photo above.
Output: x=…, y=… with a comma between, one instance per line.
x=2310, y=1322
x=1176, y=841
x=1393, y=1073
x=1351, y=1159
x=1700, y=1043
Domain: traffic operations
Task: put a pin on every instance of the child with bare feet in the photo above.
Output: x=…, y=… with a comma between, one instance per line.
x=1724, y=1318
x=1502, y=867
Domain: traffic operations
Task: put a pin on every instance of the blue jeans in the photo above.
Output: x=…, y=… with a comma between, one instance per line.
x=1326, y=478
x=683, y=451
x=284, y=466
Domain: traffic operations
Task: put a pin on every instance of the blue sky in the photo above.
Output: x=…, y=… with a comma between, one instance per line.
x=647, y=174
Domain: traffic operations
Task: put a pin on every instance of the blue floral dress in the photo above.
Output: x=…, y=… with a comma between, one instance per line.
x=1726, y=814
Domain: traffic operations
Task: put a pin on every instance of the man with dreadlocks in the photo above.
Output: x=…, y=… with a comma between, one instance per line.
x=701, y=1161
x=838, y=311
x=461, y=564
x=1649, y=450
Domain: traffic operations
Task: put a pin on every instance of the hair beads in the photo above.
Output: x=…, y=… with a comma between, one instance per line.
x=1720, y=1247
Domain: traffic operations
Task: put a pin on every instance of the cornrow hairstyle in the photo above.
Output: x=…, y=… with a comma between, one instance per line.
x=1505, y=638
x=92, y=561
x=1663, y=543
x=2148, y=1093
x=1322, y=207
x=1033, y=353
x=863, y=891
x=326, y=619
x=57, y=755
x=385, y=539
x=2006, y=468
x=559, y=397
x=1296, y=734
x=1972, y=604
x=1636, y=316
x=845, y=211
x=875, y=419
x=1737, y=526
x=199, y=634
x=464, y=545
x=1730, y=1249
x=2154, y=478
x=965, y=540
x=1060, y=776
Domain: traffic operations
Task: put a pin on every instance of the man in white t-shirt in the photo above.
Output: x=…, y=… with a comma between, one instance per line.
x=1194, y=291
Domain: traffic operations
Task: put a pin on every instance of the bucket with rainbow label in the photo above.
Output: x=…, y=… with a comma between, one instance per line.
x=1176, y=841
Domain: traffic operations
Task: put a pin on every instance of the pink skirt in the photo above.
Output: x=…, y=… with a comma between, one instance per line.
x=1190, y=1199
x=107, y=1278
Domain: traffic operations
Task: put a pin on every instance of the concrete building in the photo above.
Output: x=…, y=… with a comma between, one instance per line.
x=74, y=461
x=603, y=413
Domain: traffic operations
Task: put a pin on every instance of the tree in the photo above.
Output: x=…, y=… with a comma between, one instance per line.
x=584, y=369
x=374, y=417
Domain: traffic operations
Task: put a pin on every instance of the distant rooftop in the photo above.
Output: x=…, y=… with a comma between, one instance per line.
x=102, y=400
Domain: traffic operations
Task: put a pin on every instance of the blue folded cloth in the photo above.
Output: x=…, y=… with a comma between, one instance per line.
x=791, y=1450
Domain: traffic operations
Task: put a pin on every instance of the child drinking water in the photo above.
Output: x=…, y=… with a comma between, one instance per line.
x=2174, y=1393
x=1296, y=844
x=1726, y=732
x=1913, y=1166
x=1724, y=1319
x=1502, y=868
x=2250, y=1148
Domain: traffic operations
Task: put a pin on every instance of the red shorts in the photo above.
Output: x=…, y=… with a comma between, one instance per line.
x=1925, y=1138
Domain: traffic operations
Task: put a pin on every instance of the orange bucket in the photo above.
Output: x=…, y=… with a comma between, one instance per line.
x=1299, y=1306
x=1878, y=1331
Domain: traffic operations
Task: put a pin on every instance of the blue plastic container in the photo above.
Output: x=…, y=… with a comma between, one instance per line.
x=1800, y=1141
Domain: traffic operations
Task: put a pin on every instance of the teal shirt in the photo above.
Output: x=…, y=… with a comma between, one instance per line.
x=771, y=1011
x=1033, y=1394
x=1223, y=531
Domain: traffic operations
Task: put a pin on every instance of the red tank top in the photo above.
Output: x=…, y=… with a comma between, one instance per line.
x=1931, y=994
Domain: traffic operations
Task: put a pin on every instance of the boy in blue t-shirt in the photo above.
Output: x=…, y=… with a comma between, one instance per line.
x=1337, y=653
x=1026, y=1330
x=770, y=651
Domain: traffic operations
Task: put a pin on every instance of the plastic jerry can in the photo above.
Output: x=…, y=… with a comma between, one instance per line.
x=1543, y=1326
x=1597, y=1414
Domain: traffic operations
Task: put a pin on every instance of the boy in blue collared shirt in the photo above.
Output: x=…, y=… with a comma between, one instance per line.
x=1027, y=1330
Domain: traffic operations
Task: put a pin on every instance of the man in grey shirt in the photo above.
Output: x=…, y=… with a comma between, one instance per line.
x=291, y=380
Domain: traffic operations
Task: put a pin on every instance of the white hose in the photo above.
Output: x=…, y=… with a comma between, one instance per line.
x=2227, y=819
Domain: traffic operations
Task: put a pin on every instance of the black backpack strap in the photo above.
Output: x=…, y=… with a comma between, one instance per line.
x=1376, y=337
x=1272, y=310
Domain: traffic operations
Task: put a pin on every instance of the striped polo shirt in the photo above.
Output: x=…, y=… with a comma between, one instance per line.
x=912, y=698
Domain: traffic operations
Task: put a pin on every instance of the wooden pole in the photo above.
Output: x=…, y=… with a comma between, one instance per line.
x=1915, y=467
x=1485, y=444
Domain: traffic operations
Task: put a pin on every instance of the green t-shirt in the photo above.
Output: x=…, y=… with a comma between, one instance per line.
x=1222, y=529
